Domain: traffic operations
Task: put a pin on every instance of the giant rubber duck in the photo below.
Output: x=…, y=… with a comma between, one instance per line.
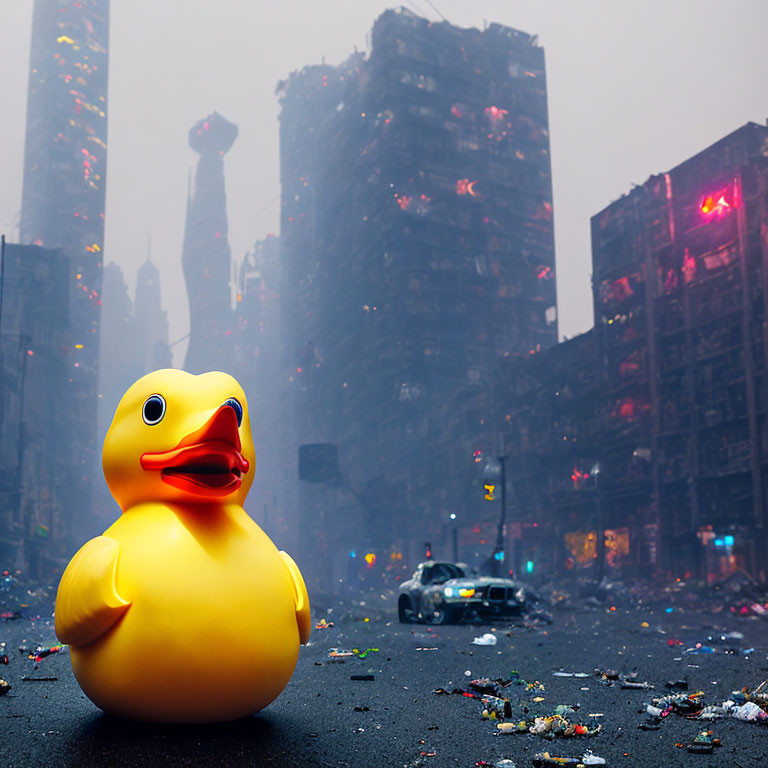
x=184, y=610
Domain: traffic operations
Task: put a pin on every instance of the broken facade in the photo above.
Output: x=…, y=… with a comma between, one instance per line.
x=674, y=460
x=36, y=527
x=65, y=161
x=418, y=248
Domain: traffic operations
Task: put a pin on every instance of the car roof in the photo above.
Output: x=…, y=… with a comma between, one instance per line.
x=440, y=562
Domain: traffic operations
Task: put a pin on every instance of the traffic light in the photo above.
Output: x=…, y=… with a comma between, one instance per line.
x=428, y=550
x=490, y=491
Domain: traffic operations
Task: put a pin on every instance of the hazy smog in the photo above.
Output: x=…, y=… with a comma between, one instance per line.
x=480, y=296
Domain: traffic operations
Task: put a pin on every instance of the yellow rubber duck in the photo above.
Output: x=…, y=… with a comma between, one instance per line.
x=184, y=610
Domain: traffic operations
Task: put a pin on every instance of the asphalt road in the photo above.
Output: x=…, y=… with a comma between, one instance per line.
x=324, y=718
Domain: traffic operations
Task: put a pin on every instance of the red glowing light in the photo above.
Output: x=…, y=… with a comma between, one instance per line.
x=544, y=272
x=466, y=187
x=578, y=477
x=716, y=203
x=689, y=266
x=404, y=201
x=456, y=111
x=496, y=113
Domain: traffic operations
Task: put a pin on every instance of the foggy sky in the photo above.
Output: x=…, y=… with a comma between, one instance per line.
x=633, y=87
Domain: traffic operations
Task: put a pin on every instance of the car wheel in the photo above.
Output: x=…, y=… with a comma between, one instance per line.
x=404, y=610
x=441, y=614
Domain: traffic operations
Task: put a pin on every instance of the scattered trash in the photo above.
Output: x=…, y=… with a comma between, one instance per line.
x=366, y=678
x=749, y=712
x=544, y=759
x=560, y=673
x=699, y=648
x=486, y=639
x=41, y=652
x=4, y=687
x=495, y=708
x=323, y=624
x=339, y=653
x=703, y=743
x=557, y=726
x=39, y=679
x=503, y=763
x=345, y=653
x=513, y=727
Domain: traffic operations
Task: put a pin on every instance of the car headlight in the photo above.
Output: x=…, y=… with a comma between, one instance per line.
x=448, y=591
x=520, y=595
x=466, y=593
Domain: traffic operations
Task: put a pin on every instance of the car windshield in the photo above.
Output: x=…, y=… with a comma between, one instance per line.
x=444, y=571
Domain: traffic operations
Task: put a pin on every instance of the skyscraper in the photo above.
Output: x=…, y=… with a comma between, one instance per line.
x=35, y=467
x=256, y=365
x=417, y=234
x=150, y=320
x=63, y=196
x=206, y=256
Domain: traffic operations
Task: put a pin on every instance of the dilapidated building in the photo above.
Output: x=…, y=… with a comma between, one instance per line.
x=37, y=530
x=418, y=250
x=667, y=444
x=65, y=178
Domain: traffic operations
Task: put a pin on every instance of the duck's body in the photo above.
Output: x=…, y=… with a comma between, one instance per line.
x=210, y=632
x=182, y=612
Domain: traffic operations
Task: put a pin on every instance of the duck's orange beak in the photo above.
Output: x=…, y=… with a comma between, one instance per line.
x=207, y=462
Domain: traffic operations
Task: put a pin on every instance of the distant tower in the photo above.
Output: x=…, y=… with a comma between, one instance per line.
x=120, y=352
x=150, y=320
x=206, y=256
x=63, y=198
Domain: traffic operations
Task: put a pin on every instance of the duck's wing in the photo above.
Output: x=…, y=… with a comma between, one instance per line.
x=87, y=603
x=303, y=618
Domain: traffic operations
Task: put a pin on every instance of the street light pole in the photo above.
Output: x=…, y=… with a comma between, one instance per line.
x=502, y=519
x=600, y=543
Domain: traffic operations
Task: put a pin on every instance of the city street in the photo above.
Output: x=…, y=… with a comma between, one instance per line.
x=324, y=718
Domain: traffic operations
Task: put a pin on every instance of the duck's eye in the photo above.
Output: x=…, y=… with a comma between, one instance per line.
x=236, y=407
x=153, y=410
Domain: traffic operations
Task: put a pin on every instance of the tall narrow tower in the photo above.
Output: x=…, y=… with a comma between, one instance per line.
x=150, y=319
x=206, y=256
x=63, y=197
